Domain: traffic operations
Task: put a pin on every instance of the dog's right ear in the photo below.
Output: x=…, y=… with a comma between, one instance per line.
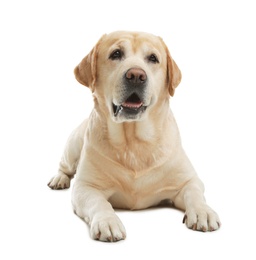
x=86, y=71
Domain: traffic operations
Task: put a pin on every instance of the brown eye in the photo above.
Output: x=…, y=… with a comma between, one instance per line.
x=116, y=55
x=153, y=58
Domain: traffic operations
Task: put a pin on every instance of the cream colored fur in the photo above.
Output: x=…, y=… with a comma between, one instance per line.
x=130, y=164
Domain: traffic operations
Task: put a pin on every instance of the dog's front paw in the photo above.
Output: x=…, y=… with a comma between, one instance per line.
x=201, y=218
x=108, y=229
x=59, y=182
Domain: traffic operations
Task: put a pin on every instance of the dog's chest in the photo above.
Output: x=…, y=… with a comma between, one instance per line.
x=135, y=161
x=140, y=158
x=142, y=191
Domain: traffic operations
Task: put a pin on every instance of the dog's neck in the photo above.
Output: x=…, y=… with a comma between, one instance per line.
x=124, y=133
x=130, y=140
x=142, y=131
x=126, y=143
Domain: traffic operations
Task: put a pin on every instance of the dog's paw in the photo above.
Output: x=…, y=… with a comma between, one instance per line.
x=201, y=218
x=59, y=182
x=107, y=229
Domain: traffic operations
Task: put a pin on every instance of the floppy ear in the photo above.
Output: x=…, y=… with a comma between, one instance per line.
x=173, y=73
x=86, y=71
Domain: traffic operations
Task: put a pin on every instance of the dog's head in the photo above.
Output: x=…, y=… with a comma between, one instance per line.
x=129, y=74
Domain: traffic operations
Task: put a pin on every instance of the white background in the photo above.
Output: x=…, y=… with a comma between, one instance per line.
x=213, y=43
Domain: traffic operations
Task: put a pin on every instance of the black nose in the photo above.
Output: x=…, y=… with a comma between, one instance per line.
x=136, y=76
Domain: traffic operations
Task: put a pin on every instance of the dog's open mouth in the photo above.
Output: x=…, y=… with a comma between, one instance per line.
x=132, y=105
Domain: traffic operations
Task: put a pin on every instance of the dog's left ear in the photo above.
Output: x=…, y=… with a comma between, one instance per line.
x=173, y=73
x=86, y=71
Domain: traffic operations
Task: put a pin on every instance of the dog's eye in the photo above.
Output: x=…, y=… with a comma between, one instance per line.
x=116, y=55
x=153, y=58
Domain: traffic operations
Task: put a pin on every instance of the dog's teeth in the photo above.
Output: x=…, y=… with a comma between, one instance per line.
x=118, y=109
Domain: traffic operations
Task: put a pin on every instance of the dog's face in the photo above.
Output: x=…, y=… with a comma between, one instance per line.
x=129, y=73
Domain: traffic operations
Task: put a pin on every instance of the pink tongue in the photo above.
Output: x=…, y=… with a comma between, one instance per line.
x=132, y=104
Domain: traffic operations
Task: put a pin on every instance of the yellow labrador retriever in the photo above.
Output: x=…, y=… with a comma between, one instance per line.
x=128, y=153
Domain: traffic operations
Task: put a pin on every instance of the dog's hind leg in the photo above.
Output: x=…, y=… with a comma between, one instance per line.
x=69, y=159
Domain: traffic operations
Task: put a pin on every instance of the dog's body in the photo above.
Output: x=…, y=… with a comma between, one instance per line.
x=128, y=154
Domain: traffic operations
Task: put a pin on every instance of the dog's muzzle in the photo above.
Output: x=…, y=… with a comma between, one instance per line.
x=134, y=81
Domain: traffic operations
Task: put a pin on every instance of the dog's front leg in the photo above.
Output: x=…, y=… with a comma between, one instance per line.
x=198, y=215
x=92, y=206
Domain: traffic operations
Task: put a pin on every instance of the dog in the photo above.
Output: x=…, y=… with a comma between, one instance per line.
x=128, y=153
